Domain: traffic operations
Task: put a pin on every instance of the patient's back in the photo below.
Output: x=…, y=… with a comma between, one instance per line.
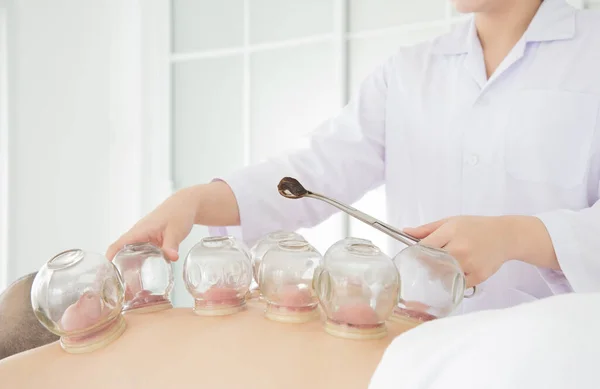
x=177, y=349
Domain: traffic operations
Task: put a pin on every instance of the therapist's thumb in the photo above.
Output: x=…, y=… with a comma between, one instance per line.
x=170, y=244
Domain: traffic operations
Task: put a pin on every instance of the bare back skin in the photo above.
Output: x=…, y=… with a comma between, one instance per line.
x=177, y=349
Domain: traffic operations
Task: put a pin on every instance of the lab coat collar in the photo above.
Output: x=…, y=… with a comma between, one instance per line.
x=555, y=20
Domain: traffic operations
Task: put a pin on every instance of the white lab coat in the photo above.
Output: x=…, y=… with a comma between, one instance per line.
x=447, y=141
x=548, y=344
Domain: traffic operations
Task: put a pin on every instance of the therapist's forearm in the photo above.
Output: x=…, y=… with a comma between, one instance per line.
x=215, y=204
x=531, y=242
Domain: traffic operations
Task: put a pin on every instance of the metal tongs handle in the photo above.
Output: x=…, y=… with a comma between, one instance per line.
x=377, y=224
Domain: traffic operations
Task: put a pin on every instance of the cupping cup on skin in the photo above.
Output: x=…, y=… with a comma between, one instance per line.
x=147, y=277
x=79, y=297
x=262, y=246
x=217, y=273
x=432, y=284
x=357, y=286
x=285, y=281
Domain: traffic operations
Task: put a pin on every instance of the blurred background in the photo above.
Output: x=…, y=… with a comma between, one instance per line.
x=108, y=106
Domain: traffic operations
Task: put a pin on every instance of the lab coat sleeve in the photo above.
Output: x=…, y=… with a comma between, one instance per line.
x=344, y=158
x=575, y=236
x=576, y=239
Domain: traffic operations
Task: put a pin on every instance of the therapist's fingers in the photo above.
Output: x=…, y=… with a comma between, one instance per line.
x=167, y=239
x=425, y=230
x=114, y=248
x=136, y=235
x=170, y=243
x=439, y=238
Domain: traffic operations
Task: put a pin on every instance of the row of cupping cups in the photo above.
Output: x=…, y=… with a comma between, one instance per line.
x=79, y=295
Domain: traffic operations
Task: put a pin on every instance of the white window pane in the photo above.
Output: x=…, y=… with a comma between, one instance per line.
x=367, y=53
x=374, y=14
x=272, y=20
x=293, y=90
x=207, y=107
x=207, y=135
x=326, y=233
x=207, y=24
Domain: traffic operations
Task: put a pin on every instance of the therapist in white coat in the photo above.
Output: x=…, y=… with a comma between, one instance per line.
x=491, y=133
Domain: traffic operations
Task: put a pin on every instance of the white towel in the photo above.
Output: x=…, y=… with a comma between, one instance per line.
x=552, y=343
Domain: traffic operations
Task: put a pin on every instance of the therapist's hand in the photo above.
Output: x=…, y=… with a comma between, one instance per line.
x=481, y=244
x=170, y=223
x=166, y=227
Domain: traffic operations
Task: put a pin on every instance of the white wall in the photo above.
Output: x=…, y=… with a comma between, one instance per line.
x=75, y=126
x=3, y=147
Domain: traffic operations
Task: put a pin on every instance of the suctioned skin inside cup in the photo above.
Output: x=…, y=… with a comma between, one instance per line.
x=217, y=273
x=356, y=321
x=83, y=315
x=144, y=301
x=291, y=296
x=292, y=304
x=285, y=280
x=412, y=311
x=86, y=312
x=219, y=301
x=358, y=315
